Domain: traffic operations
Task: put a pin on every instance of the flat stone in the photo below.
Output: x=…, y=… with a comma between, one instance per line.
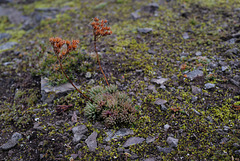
x=37, y=126
x=160, y=81
x=198, y=53
x=144, y=30
x=194, y=74
x=120, y=133
x=160, y=102
x=196, y=90
x=231, y=52
x=151, y=87
x=164, y=108
x=226, y=128
x=78, y=133
x=91, y=141
x=236, y=78
x=12, y=142
x=8, y=45
x=185, y=35
x=133, y=156
x=150, y=8
x=49, y=92
x=166, y=127
x=224, y=68
x=172, y=142
x=164, y=150
x=135, y=15
x=150, y=139
x=209, y=86
x=133, y=141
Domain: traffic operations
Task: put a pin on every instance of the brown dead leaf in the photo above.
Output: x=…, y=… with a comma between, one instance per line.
x=175, y=109
x=183, y=66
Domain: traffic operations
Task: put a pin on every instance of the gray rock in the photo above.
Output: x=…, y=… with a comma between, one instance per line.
x=224, y=68
x=49, y=92
x=236, y=78
x=224, y=140
x=5, y=36
x=196, y=112
x=209, y=118
x=88, y=75
x=159, y=81
x=160, y=102
x=236, y=145
x=150, y=8
x=198, y=53
x=91, y=141
x=164, y=108
x=194, y=98
x=213, y=65
x=135, y=15
x=37, y=16
x=221, y=132
x=185, y=35
x=226, y=128
x=151, y=52
x=235, y=82
x=78, y=133
x=37, y=126
x=231, y=41
x=151, y=87
x=133, y=156
x=78, y=146
x=120, y=133
x=12, y=142
x=144, y=30
x=172, y=142
x=15, y=16
x=196, y=90
x=164, y=150
x=237, y=152
x=133, y=141
x=209, y=86
x=150, y=139
x=232, y=52
x=194, y=74
x=166, y=127
x=8, y=45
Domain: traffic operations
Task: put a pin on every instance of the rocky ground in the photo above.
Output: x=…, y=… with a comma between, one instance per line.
x=178, y=60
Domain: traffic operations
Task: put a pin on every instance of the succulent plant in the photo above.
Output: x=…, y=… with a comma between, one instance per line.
x=110, y=106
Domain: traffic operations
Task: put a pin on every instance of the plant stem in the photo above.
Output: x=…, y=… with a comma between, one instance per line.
x=95, y=48
x=71, y=81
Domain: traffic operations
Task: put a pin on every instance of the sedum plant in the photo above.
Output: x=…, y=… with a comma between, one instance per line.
x=104, y=103
x=110, y=106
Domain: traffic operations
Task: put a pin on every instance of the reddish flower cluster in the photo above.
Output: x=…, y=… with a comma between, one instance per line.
x=57, y=44
x=100, y=28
